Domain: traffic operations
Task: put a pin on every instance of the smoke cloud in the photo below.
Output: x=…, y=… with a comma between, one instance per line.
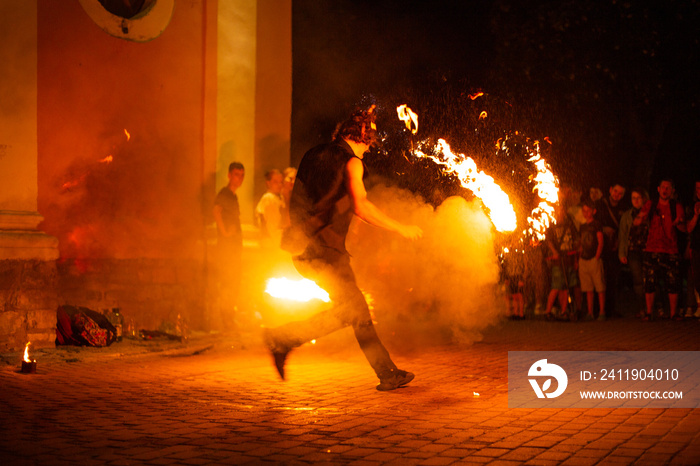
x=435, y=290
x=440, y=288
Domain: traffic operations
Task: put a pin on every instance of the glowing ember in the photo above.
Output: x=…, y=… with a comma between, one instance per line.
x=482, y=185
x=483, y=115
x=72, y=184
x=107, y=159
x=301, y=290
x=128, y=136
x=408, y=117
x=26, y=353
x=476, y=95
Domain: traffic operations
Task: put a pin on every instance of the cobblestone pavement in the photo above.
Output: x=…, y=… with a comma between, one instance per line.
x=215, y=403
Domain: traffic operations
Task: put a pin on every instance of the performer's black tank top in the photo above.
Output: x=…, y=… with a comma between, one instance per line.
x=320, y=202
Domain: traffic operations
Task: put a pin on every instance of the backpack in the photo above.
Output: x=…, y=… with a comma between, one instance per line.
x=64, y=329
x=87, y=327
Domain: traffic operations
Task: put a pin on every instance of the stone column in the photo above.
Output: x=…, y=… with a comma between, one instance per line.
x=28, y=296
x=273, y=88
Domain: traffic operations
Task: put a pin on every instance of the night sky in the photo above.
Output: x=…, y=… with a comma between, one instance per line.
x=612, y=84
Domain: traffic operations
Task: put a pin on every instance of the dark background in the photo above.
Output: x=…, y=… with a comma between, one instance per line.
x=612, y=84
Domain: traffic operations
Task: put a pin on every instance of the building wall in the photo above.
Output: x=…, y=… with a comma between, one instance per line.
x=273, y=96
x=128, y=144
x=17, y=106
x=236, y=96
x=28, y=295
x=126, y=134
x=140, y=103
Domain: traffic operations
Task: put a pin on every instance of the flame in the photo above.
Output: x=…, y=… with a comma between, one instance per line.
x=482, y=185
x=128, y=136
x=408, y=116
x=107, y=159
x=485, y=188
x=547, y=187
x=26, y=352
x=301, y=290
x=476, y=95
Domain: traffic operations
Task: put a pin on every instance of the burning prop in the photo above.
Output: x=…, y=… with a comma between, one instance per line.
x=496, y=202
x=303, y=290
x=291, y=296
x=28, y=366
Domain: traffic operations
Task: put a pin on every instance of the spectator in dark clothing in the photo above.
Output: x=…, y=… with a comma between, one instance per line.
x=661, y=257
x=562, y=246
x=227, y=214
x=632, y=241
x=609, y=213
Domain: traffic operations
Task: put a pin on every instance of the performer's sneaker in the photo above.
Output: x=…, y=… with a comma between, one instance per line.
x=279, y=353
x=398, y=378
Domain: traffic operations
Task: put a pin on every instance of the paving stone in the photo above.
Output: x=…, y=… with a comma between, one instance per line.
x=437, y=461
x=154, y=409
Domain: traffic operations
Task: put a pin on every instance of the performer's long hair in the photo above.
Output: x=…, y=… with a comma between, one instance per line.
x=360, y=127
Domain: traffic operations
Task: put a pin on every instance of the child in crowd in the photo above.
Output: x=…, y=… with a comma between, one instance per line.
x=268, y=213
x=591, y=274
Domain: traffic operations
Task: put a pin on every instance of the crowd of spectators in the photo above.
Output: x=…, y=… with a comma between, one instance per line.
x=639, y=254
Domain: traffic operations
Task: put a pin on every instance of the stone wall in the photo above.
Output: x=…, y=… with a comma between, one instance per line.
x=28, y=301
x=150, y=293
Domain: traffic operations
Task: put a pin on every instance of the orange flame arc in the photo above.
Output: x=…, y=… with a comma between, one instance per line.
x=547, y=187
x=482, y=185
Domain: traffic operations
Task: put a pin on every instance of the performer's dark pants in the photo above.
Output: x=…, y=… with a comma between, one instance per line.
x=331, y=271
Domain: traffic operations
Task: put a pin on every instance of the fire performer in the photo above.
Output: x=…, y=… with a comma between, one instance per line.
x=329, y=189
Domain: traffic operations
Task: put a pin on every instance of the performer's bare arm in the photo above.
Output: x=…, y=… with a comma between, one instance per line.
x=367, y=211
